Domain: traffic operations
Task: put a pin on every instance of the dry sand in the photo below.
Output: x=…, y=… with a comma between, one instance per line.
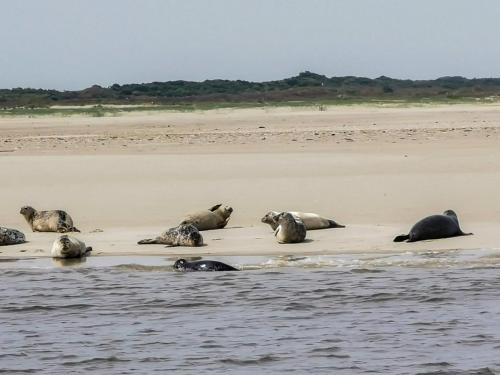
x=377, y=170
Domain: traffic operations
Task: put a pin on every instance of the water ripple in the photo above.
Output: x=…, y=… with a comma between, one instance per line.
x=125, y=320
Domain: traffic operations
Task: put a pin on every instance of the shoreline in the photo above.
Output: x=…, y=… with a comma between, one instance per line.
x=362, y=262
x=259, y=241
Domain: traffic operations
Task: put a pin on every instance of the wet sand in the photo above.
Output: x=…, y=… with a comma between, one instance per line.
x=376, y=170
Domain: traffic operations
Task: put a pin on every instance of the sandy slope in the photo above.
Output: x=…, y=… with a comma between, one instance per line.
x=133, y=176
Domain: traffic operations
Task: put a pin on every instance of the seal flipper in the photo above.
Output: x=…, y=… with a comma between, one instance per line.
x=64, y=228
x=148, y=241
x=223, y=225
x=278, y=228
x=465, y=234
x=215, y=207
x=87, y=251
x=402, y=238
x=333, y=224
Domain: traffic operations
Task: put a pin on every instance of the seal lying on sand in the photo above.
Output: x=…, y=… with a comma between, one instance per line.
x=216, y=217
x=310, y=220
x=290, y=229
x=202, y=265
x=69, y=247
x=48, y=221
x=11, y=237
x=182, y=235
x=433, y=227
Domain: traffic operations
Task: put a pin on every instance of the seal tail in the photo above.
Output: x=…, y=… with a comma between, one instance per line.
x=402, y=238
x=333, y=224
x=466, y=234
x=148, y=241
x=74, y=230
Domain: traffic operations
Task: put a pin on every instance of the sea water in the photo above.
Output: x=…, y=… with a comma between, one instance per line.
x=415, y=313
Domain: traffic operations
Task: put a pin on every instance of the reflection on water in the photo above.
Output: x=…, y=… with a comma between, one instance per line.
x=416, y=313
x=68, y=262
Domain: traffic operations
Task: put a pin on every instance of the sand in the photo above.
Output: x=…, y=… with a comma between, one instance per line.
x=377, y=170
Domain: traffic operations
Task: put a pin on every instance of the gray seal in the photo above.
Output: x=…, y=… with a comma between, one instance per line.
x=290, y=229
x=182, y=235
x=202, y=265
x=69, y=247
x=434, y=227
x=310, y=220
x=48, y=221
x=216, y=217
x=11, y=237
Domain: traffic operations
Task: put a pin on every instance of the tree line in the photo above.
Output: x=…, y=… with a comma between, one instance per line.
x=305, y=86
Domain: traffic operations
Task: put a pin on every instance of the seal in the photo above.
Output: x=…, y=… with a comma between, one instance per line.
x=48, y=221
x=216, y=217
x=434, y=227
x=11, y=237
x=310, y=220
x=69, y=247
x=202, y=265
x=290, y=229
x=182, y=235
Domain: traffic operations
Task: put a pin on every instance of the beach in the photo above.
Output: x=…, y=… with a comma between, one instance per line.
x=375, y=169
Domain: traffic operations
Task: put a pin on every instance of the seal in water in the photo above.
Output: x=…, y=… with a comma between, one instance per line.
x=290, y=229
x=48, y=221
x=216, y=217
x=434, y=227
x=310, y=220
x=69, y=247
x=182, y=235
x=202, y=265
x=11, y=237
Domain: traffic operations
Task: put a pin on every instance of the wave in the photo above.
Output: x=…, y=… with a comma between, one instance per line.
x=95, y=360
x=250, y=361
x=32, y=308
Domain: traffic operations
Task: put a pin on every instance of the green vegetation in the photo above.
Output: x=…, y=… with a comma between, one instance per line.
x=305, y=89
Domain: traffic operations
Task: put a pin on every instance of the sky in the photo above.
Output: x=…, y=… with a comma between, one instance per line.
x=73, y=44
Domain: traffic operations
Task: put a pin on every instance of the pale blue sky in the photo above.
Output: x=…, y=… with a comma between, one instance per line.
x=72, y=44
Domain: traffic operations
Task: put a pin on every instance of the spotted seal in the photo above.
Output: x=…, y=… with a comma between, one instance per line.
x=289, y=229
x=182, y=235
x=310, y=220
x=69, y=247
x=434, y=227
x=48, y=221
x=11, y=237
x=202, y=265
x=216, y=217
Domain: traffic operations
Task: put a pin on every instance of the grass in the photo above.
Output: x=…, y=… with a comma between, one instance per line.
x=322, y=105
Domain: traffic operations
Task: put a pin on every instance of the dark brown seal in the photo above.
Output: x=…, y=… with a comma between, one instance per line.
x=434, y=227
